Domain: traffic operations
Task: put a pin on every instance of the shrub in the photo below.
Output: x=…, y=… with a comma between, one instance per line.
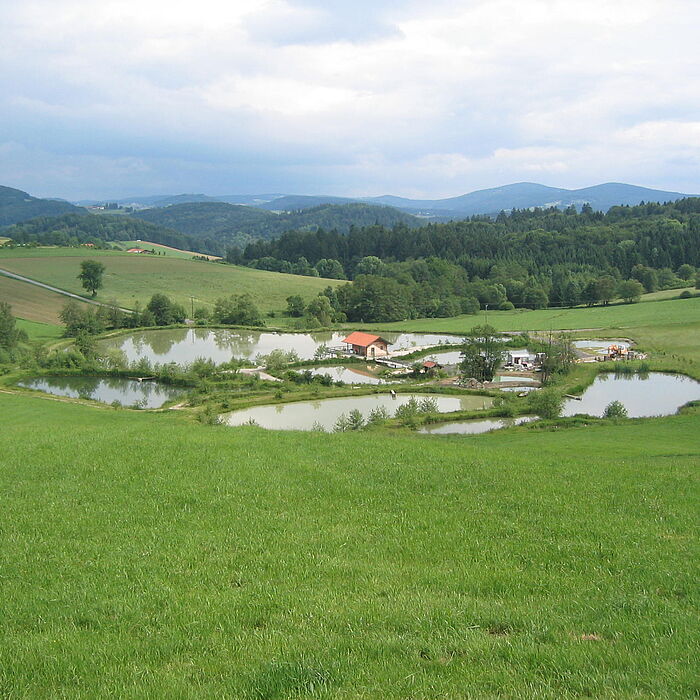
x=546, y=403
x=615, y=409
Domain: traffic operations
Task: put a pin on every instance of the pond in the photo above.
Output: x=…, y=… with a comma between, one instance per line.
x=305, y=415
x=599, y=346
x=653, y=394
x=515, y=379
x=473, y=427
x=127, y=392
x=184, y=345
x=359, y=374
x=445, y=358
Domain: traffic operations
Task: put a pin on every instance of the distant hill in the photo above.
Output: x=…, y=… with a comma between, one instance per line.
x=72, y=229
x=525, y=195
x=17, y=206
x=238, y=224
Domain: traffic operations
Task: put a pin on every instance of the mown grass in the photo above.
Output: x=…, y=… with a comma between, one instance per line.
x=31, y=302
x=146, y=557
x=133, y=278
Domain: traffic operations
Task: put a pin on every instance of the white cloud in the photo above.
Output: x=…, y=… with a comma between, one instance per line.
x=394, y=96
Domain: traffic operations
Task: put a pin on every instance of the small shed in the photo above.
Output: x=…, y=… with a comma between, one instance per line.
x=430, y=365
x=519, y=357
x=367, y=345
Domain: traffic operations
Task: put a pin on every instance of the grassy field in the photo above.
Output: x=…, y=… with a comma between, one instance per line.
x=213, y=562
x=31, y=302
x=42, y=332
x=133, y=278
x=620, y=316
x=167, y=250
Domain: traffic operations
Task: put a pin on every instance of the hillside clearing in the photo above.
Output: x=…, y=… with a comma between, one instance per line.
x=168, y=250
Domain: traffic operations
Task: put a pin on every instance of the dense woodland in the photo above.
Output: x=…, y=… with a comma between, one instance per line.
x=527, y=258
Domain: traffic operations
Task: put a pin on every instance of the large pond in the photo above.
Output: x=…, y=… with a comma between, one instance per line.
x=324, y=413
x=184, y=345
x=653, y=394
x=127, y=392
x=473, y=427
x=599, y=346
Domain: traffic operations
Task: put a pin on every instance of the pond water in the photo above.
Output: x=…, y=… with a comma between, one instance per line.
x=184, y=345
x=303, y=415
x=444, y=358
x=107, y=390
x=653, y=394
x=519, y=389
x=473, y=427
x=514, y=379
x=599, y=346
x=350, y=375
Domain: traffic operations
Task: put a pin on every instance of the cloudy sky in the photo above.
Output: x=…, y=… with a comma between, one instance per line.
x=355, y=97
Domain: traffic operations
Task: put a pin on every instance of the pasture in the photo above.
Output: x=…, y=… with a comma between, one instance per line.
x=130, y=279
x=217, y=562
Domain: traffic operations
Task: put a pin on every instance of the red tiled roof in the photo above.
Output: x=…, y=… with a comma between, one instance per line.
x=429, y=364
x=362, y=339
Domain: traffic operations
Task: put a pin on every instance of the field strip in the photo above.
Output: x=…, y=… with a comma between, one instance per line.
x=21, y=278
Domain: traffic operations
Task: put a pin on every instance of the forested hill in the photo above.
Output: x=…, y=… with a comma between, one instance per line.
x=653, y=234
x=74, y=229
x=16, y=206
x=236, y=224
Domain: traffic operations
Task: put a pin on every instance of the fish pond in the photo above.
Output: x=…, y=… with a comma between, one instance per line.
x=643, y=395
x=184, y=345
x=356, y=374
x=324, y=413
x=474, y=427
x=128, y=392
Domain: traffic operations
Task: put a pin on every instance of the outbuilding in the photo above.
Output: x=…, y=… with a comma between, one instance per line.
x=520, y=357
x=367, y=345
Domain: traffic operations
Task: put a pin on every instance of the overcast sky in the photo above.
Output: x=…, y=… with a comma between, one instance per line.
x=349, y=97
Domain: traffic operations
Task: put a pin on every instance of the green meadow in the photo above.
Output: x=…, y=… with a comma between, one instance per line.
x=131, y=278
x=215, y=562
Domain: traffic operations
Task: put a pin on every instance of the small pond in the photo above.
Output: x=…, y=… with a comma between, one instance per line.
x=127, y=392
x=599, y=346
x=653, y=394
x=304, y=415
x=444, y=358
x=358, y=374
x=514, y=379
x=473, y=427
x=184, y=345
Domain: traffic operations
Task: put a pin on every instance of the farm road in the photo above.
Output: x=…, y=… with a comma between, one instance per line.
x=21, y=278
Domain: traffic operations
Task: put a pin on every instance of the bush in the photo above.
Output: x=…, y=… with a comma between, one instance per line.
x=615, y=409
x=547, y=403
x=686, y=294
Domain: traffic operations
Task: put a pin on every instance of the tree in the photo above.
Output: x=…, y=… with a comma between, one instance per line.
x=238, y=309
x=606, y=287
x=79, y=319
x=90, y=275
x=534, y=297
x=165, y=311
x=630, y=290
x=482, y=354
x=295, y=305
x=320, y=308
x=370, y=265
x=10, y=335
x=330, y=269
x=558, y=355
x=546, y=403
x=686, y=272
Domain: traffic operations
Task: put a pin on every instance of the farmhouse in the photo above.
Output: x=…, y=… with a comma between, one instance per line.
x=136, y=250
x=367, y=345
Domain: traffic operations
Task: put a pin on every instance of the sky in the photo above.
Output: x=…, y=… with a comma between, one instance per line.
x=357, y=97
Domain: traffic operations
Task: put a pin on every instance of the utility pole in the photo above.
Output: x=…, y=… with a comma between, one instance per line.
x=192, y=306
x=486, y=314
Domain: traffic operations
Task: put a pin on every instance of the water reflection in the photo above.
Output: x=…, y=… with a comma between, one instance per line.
x=324, y=413
x=473, y=427
x=127, y=392
x=653, y=394
x=184, y=345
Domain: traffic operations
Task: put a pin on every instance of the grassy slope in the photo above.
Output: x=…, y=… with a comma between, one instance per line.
x=31, y=302
x=134, y=278
x=203, y=563
x=42, y=332
x=168, y=250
